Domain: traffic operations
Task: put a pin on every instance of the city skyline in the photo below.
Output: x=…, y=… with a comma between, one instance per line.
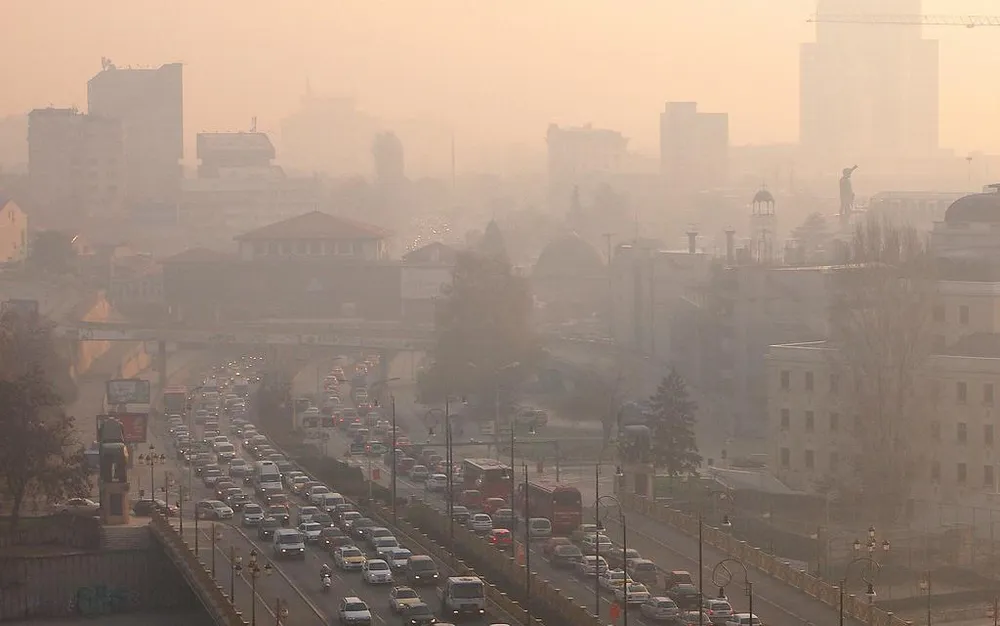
x=613, y=68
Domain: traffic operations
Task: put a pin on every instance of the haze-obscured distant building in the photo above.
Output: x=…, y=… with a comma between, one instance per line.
x=694, y=147
x=239, y=189
x=582, y=158
x=920, y=209
x=390, y=163
x=13, y=232
x=868, y=91
x=76, y=166
x=329, y=135
x=149, y=103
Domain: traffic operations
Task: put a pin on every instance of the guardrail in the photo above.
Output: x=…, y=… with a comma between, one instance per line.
x=546, y=600
x=215, y=601
x=855, y=607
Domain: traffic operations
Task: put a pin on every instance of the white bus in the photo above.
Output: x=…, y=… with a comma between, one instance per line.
x=266, y=477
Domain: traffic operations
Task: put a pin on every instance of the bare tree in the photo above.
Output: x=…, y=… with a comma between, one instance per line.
x=881, y=313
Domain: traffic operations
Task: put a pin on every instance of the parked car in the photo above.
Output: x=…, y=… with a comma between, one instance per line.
x=78, y=506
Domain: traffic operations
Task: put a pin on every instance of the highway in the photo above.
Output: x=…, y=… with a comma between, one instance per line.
x=292, y=584
x=775, y=603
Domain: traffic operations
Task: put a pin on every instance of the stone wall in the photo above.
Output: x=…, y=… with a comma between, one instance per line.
x=91, y=584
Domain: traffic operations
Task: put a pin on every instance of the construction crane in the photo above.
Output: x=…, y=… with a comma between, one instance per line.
x=969, y=21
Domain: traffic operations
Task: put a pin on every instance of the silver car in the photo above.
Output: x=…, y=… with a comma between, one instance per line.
x=659, y=609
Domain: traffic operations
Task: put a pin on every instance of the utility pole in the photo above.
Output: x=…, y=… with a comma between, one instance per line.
x=611, y=298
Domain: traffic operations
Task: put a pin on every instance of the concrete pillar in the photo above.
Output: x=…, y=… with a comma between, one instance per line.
x=692, y=242
x=161, y=364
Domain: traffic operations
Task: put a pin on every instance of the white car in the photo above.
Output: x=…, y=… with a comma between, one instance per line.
x=311, y=531
x=660, y=609
x=381, y=544
x=353, y=610
x=612, y=580
x=637, y=594
x=376, y=572
x=397, y=557
x=306, y=513
x=480, y=523
x=315, y=494
x=436, y=482
x=601, y=542
x=253, y=513
x=78, y=506
x=743, y=619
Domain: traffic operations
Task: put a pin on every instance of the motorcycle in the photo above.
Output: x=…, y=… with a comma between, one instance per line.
x=327, y=583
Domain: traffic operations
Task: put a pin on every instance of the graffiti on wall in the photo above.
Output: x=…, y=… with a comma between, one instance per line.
x=103, y=600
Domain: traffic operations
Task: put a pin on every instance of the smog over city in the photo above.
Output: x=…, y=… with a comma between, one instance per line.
x=507, y=313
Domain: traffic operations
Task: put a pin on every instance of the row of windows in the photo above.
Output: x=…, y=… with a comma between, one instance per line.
x=833, y=426
x=261, y=248
x=961, y=387
x=940, y=314
x=961, y=469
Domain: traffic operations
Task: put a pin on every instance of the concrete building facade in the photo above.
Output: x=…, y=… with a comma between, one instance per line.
x=13, y=232
x=694, y=147
x=149, y=104
x=76, y=165
x=582, y=158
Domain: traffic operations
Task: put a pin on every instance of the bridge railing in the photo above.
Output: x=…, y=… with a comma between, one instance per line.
x=215, y=601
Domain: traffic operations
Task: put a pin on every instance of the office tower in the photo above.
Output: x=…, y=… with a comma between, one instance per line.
x=149, y=104
x=694, y=147
x=868, y=90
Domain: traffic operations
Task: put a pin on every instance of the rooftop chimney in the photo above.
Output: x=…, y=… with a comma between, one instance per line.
x=692, y=241
x=730, y=247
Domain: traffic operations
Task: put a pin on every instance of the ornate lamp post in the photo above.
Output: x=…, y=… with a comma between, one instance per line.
x=152, y=459
x=255, y=572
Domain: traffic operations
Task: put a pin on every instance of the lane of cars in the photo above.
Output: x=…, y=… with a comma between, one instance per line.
x=571, y=563
x=301, y=524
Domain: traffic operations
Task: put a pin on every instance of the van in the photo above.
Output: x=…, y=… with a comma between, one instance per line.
x=422, y=570
x=330, y=501
x=539, y=528
x=472, y=499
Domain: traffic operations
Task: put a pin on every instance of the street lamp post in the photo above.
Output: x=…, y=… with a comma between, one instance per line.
x=280, y=611
x=622, y=522
x=196, y=531
x=527, y=548
x=722, y=576
x=868, y=576
x=392, y=399
x=255, y=571
x=236, y=563
x=925, y=586
x=216, y=536
x=152, y=459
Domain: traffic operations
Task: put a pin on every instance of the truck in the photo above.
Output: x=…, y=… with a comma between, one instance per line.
x=463, y=595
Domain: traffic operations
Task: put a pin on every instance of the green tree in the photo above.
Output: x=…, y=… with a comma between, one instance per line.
x=671, y=422
x=39, y=454
x=483, y=326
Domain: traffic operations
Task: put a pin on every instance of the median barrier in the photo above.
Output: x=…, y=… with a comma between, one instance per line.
x=215, y=601
x=752, y=557
x=546, y=601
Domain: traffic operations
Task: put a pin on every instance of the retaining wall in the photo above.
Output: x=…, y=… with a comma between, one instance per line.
x=91, y=584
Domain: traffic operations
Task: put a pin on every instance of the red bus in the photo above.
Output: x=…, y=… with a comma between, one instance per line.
x=561, y=504
x=491, y=478
x=175, y=400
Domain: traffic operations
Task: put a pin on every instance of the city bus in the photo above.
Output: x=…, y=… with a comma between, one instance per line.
x=560, y=503
x=175, y=400
x=491, y=478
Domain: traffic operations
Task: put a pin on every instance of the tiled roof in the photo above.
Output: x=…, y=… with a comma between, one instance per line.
x=199, y=255
x=315, y=225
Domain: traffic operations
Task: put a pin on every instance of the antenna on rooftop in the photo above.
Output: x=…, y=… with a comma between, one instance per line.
x=253, y=124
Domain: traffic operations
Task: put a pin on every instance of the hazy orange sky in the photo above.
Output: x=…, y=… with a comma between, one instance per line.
x=495, y=70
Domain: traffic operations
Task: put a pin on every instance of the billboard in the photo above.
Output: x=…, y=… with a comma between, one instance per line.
x=424, y=283
x=127, y=391
x=20, y=307
x=133, y=425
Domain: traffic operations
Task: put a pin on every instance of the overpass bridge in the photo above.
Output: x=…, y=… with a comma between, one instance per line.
x=573, y=352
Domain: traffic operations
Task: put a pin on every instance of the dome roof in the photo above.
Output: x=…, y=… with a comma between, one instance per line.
x=763, y=196
x=569, y=256
x=977, y=207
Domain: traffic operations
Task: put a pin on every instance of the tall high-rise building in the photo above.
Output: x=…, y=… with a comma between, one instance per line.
x=149, y=102
x=76, y=166
x=868, y=91
x=694, y=147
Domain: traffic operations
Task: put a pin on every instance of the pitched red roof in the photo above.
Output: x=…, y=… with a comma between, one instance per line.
x=199, y=255
x=315, y=225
